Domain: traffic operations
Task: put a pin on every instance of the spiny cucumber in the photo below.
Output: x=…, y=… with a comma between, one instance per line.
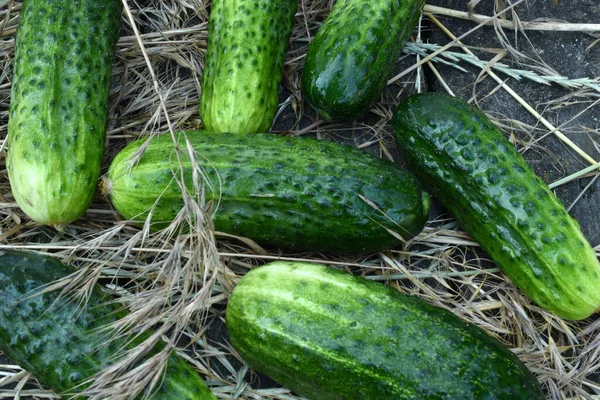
x=247, y=42
x=58, y=109
x=60, y=342
x=294, y=193
x=476, y=173
x=353, y=54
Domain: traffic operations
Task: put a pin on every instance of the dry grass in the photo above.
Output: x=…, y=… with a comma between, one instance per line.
x=182, y=278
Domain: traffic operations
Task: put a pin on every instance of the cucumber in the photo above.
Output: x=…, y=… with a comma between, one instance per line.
x=247, y=42
x=477, y=174
x=328, y=335
x=353, y=54
x=294, y=193
x=58, y=341
x=58, y=109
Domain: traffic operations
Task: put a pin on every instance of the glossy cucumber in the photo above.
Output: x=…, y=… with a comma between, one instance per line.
x=353, y=54
x=329, y=335
x=59, y=342
x=58, y=110
x=477, y=174
x=247, y=42
x=294, y=193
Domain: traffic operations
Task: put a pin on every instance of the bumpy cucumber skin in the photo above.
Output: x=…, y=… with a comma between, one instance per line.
x=247, y=42
x=58, y=110
x=477, y=174
x=294, y=193
x=353, y=54
x=328, y=335
x=58, y=341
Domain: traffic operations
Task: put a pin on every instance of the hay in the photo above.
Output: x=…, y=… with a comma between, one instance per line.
x=182, y=280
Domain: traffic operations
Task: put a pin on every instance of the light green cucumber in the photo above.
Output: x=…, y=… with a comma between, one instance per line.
x=58, y=109
x=247, y=41
x=329, y=335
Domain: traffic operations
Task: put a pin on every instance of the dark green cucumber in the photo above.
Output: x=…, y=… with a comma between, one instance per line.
x=295, y=193
x=58, y=341
x=329, y=335
x=58, y=110
x=247, y=41
x=477, y=174
x=353, y=54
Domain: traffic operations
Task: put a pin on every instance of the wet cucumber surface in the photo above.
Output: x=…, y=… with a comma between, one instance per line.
x=294, y=193
x=58, y=341
x=353, y=54
x=330, y=336
x=247, y=42
x=478, y=175
x=58, y=110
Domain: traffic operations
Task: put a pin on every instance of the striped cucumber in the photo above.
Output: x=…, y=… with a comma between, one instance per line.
x=353, y=54
x=247, y=42
x=477, y=174
x=294, y=193
x=58, y=110
x=329, y=335
x=59, y=342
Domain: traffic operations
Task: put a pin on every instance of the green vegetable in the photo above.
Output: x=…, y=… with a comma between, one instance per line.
x=247, y=41
x=58, y=341
x=294, y=193
x=477, y=174
x=353, y=54
x=328, y=335
x=58, y=111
